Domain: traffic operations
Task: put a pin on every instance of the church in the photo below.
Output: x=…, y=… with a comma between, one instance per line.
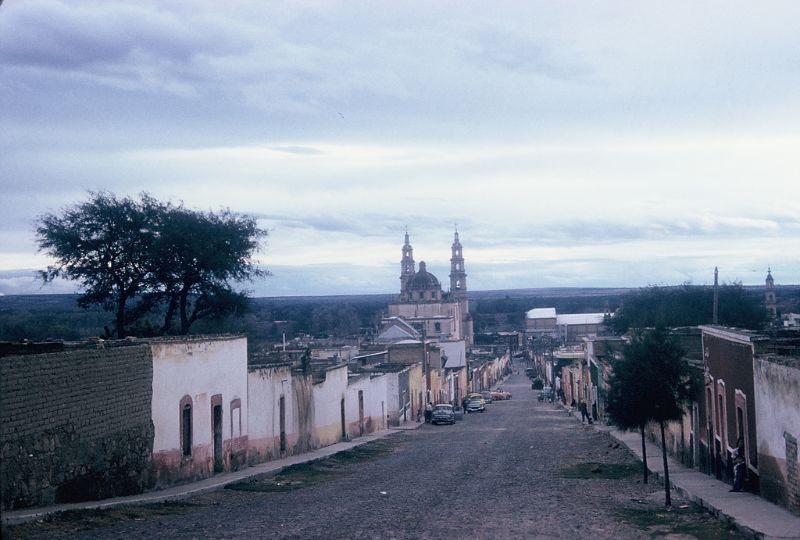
x=422, y=303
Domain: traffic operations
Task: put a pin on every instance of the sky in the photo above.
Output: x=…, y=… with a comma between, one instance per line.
x=589, y=144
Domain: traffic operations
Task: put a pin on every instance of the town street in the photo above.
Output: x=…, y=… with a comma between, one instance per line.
x=522, y=469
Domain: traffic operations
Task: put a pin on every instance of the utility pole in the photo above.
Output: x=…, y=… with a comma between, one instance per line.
x=715, y=318
x=425, y=367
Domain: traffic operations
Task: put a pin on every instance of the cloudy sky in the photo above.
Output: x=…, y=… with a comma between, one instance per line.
x=573, y=143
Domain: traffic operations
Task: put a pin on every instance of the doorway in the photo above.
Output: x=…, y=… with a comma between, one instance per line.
x=282, y=420
x=344, y=426
x=360, y=412
x=216, y=422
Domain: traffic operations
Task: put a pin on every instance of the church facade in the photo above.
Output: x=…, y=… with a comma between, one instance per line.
x=424, y=305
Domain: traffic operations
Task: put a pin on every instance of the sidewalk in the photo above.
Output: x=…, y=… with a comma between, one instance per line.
x=751, y=514
x=216, y=482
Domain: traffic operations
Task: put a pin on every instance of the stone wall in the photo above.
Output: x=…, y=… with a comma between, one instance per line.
x=75, y=425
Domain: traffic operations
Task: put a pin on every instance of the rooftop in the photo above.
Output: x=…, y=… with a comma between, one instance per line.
x=541, y=313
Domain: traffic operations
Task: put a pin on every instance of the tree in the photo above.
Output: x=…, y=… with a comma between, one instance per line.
x=650, y=383
x=688, y=305
x=196, y=257
x=628, y=394
x=104, y=244
x=136, y=256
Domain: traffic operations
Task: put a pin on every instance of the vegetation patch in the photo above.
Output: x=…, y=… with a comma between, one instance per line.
x=606, y=471
x=84, y=520
x=687, y=520
x=315, y=472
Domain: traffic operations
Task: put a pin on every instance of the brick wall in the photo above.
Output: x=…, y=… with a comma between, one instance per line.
x=75, y=425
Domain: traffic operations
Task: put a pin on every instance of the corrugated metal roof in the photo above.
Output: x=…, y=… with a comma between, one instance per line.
x=541, y=313
x=580, y=318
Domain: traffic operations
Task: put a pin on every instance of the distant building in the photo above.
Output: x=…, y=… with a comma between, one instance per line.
x=791, y=321
x=568, y=328
x=424, y=306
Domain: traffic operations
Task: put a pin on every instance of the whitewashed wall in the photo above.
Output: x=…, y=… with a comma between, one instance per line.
x=327, y=412
x=777, y=394
x=266, y=385
x=199, y=367
x=374, y=391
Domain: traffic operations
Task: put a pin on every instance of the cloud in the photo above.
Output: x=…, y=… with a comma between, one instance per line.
x=545, y=131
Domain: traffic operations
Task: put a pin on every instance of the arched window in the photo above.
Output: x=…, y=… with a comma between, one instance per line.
x=186, y=425
x=236, y=418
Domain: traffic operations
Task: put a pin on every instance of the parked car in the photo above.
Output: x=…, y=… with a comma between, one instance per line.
x=478, y=396
x=500, y=395
x=487, y=396
x=475, y=404
x=443, y=414
x=546, y=394
x=537, y=384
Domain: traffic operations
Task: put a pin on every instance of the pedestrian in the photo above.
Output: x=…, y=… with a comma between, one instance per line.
x=428, y=412
x=738, y=466
x=585, y=413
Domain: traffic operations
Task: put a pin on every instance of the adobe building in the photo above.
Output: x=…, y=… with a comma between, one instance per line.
x=729, y=397
x=777, y=392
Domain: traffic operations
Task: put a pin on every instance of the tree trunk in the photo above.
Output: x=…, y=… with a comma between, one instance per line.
x=119, y=319
x=184, y=301
x=666, y=467
x=644, y=455
x=172, y=307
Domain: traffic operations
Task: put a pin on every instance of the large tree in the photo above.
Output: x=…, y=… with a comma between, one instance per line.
x=105, y=244
x=197, y=258
x=135, y=256
x=650, y=383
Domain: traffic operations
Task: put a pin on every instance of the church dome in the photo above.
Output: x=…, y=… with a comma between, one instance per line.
x=423, y=280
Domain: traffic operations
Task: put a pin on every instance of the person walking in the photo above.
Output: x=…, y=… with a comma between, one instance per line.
x=738, y=466
x=585, y=413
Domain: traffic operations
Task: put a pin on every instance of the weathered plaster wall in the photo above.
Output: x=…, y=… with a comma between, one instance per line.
x=393, y=398
x=777, y=392
x=416, y=384
x=373, y=389
x=327, y=396
x=199, y=368
x=75, y=425
x=265, y=386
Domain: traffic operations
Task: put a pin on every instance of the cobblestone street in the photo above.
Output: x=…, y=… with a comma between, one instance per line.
x=522, y=469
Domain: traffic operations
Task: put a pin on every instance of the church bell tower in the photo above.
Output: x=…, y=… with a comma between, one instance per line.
x=769, y=295
x=458, y=287
x=406, y=268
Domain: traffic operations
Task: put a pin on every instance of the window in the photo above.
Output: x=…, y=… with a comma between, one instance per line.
x=437, y=327
x=186, y=425
x=236, y=418
x=722, y=416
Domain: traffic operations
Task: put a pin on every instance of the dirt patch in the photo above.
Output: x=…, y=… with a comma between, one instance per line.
x=606, y=471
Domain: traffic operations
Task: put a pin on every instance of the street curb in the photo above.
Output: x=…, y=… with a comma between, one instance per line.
x=691, y=497
x=16, y=517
